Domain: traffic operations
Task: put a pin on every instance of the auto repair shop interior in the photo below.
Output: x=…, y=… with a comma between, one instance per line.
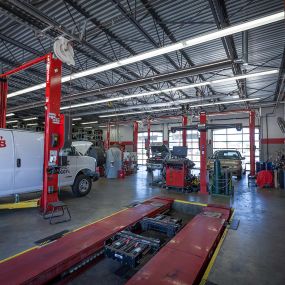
x=142, y=142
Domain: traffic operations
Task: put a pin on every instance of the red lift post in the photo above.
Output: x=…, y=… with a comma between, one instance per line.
x=203, y=155
x=53, y=131
x=108, y=135
x=148, y=138
x=252, y=142
x=3, y=100
x=135, y=136
x=184, y=132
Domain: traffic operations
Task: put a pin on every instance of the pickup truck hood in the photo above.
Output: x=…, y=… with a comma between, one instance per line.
x=82, y=146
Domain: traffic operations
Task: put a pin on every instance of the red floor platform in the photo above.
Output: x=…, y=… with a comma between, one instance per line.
x=41, y=265
x=184, y=259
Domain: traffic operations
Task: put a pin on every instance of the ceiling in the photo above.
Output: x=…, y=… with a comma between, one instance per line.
x=105, y=31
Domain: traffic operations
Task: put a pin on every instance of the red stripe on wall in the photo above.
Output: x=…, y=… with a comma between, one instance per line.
x=123, y=143
x=273, y=141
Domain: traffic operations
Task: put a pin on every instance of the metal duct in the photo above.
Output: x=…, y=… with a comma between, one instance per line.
x=213, y=66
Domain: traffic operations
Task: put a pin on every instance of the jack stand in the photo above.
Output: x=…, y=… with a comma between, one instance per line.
x=251, y=180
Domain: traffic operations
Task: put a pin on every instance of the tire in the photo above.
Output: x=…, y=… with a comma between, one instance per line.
x=82, y=185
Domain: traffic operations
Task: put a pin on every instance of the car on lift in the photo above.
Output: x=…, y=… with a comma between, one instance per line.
x=21, y=165
x=230, y=159
x=159, y=154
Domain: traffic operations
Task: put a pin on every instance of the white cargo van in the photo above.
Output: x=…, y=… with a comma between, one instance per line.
x=21, y=165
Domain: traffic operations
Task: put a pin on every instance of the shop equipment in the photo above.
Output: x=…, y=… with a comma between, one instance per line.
x=221, y=180
x=202, y=127
x=178, y=169
x=113, y=162
x=129, y=248
x=162, y=223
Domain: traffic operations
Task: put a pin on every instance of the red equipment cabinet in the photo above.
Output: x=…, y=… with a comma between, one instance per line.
x=176, y=173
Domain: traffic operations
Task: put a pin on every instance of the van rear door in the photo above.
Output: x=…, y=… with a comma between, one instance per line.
x=7, y=160
x=29, y=161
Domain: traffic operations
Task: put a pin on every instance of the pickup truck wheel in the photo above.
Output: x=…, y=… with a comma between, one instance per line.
x=82, y=185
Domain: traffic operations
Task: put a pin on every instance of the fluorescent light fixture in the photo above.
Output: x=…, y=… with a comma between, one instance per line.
x=245, y=76
x=119, y=98
x=11, y=122
x=27, y=90
x=33, y=124
x=30, y=119
x=87, y=128
x=176, y=108
x=10, y=115
x=89, y=123
x=76, y=119
x=166, y=49
x=140, y=112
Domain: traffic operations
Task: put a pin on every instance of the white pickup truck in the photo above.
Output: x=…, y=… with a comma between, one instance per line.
x=21, y=165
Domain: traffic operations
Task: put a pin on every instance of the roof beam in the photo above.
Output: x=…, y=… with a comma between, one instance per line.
x=220, y=15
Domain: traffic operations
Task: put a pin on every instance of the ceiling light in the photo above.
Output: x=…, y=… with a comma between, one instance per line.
x=34, y=124
x=30, y=119
x=10, y=115
x=88, y=123
x=166, y=49
x=176, y=108
x=139, y=112
x=87, y=128
x=76, y=119
x=11, y=122
x=171, y=89
x=225, y=102
x=245, y=76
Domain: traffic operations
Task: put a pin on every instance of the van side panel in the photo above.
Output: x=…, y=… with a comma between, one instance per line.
x=7, y=162
x=29, y=149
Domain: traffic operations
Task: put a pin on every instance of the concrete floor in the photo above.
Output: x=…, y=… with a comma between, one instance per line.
x=254, y=254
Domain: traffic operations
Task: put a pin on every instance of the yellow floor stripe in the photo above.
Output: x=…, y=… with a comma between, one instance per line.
x=20, y=253
x=20, y=205
x=212, y=261
x=192, y=203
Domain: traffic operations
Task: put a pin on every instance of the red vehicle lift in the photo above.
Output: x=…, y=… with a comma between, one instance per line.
x=54, y=131
x=202, y=127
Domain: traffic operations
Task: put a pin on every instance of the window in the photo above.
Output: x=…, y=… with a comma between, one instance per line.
x=155, y=137
x=233, y=139
x=175, y=139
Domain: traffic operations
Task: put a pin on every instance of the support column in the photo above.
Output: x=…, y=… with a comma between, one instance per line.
x=53, y=136
x=135, y=136
x=108, y=135
x=148, y=138
x=252, y=142
x=203, y=155
x=3, y=101
x=184, y=132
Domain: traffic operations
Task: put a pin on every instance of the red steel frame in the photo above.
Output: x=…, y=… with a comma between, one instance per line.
x=203, y=155
x=135, y=136
x=53, y=119
x=184, y=132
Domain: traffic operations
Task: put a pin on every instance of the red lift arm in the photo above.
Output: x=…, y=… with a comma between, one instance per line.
x=53, y=132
